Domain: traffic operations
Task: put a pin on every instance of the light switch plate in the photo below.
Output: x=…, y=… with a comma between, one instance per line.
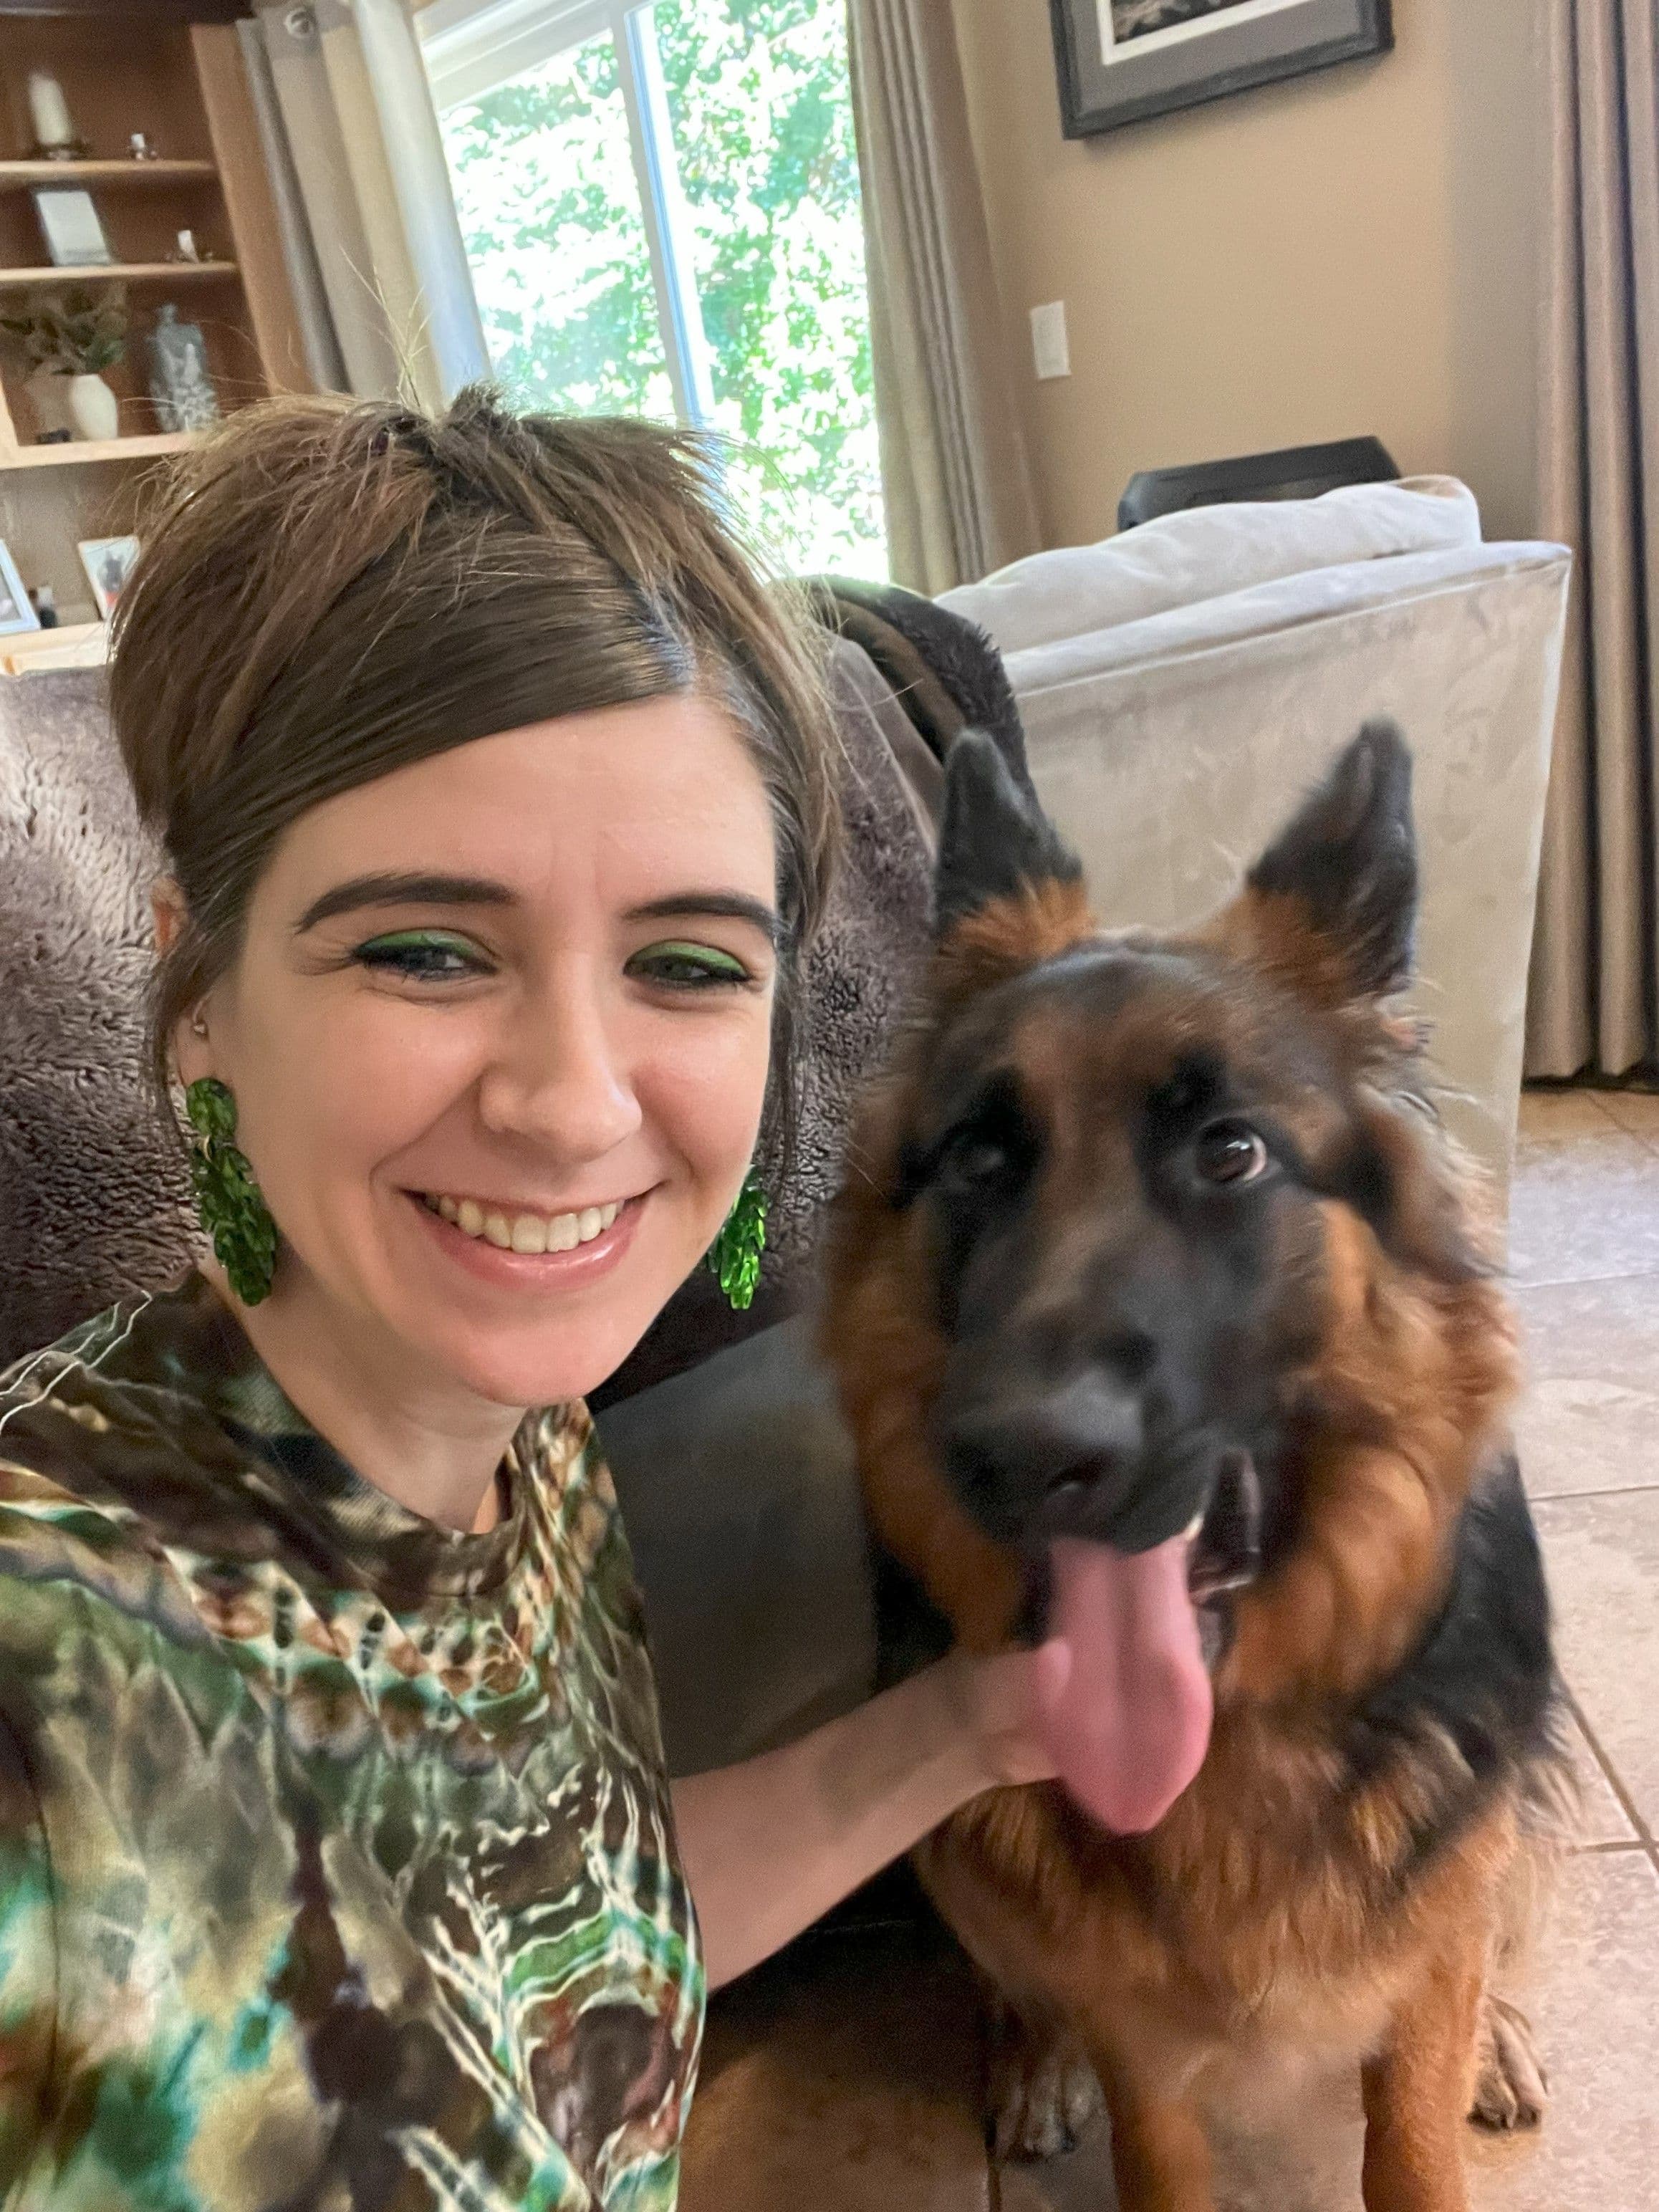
x=1050, y=346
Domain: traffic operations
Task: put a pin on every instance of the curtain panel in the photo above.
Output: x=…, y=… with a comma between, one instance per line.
x=1594, y=1001
x=956, y=480
x=367, y=217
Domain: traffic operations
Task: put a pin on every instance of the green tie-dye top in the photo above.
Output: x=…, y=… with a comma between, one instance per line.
x=336, y=1867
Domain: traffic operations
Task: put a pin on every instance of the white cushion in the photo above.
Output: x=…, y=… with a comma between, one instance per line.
x=1209, y=551
x=1168, y=750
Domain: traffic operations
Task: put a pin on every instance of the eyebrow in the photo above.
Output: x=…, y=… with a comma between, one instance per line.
x=391, y=889
x=423, y=889
x=735, y=906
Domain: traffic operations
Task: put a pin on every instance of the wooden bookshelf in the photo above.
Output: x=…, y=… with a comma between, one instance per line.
x=173, y=70
x=79, y=452
x=18, y=176
x=116, y=273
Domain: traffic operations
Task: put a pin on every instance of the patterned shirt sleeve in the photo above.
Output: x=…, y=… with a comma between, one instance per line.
x=29, y=1966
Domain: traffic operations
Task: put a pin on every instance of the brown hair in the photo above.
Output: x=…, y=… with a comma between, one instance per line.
x=328, y=590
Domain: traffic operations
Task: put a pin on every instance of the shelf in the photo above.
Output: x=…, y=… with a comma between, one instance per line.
x=14, y=176
x=78, y=451
x=71, y=644
x=116, y=273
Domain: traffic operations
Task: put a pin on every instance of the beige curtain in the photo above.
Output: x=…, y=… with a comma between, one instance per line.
x=367, y=217
x=955, y=478
x=1595, y=996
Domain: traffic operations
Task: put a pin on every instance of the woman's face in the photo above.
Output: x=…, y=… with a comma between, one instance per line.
x=498, y=1039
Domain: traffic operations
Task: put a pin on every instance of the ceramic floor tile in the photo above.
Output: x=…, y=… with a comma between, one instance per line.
x=1595, y=2002
x=1602, y=1555
x=1635, y=1110
x=1553, y=1117
x=1589, y=1417
x=1602, y=1819
x=1585, y=1207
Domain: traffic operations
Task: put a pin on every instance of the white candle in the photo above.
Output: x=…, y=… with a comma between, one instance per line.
x=50, y=109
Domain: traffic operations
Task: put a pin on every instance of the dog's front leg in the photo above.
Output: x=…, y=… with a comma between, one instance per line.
x=1417, y=2089
x=1160, y=2154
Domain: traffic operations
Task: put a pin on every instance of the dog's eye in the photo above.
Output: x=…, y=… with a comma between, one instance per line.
x=977, y=1160
x=1229, y=1153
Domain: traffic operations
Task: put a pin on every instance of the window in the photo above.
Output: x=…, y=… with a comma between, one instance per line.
x=660, y=206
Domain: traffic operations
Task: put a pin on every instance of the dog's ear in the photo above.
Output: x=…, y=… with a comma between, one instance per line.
x=1332, y=904
x=995, y=842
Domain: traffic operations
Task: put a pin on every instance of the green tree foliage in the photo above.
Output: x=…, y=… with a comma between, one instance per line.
x=763, y=128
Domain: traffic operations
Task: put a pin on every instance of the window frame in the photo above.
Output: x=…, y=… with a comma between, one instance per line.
x=471, y=46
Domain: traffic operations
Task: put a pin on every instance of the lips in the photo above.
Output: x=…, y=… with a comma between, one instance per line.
x=1129, y=1728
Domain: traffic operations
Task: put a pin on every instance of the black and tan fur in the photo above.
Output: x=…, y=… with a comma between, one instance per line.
x=1026, y=1209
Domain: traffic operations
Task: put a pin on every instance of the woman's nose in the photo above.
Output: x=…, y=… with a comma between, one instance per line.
x=560, y=1079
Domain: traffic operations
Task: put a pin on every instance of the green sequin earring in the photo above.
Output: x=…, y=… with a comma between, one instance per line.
x=734, y=1257
x=228, y=1198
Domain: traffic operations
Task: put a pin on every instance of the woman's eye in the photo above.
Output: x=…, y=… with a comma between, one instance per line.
x=423, y=955
x=1230, y=1152
x=687, y=967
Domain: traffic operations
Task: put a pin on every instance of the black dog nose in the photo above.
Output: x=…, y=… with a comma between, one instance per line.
x=1031, y=1444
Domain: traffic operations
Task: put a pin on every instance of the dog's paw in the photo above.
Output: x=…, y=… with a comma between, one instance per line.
x=1510, y=2086
x=1043, y=2093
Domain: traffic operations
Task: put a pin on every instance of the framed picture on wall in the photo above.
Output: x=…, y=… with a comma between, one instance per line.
x=108, y=564
x=16, y=612
x=1120, y=61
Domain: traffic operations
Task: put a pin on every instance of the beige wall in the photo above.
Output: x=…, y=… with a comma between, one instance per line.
x=1351, y=252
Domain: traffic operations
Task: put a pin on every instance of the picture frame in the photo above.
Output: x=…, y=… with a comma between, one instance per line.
x=1123, y=61
x=108, y=564
x=16, y=612
x=69, y=224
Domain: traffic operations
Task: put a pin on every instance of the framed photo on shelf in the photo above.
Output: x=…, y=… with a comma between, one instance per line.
x=69, y=222
x=108, y=564
x=1120, y=61
x=16, y=612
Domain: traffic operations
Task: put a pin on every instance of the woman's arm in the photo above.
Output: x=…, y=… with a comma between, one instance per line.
x=770, y=1846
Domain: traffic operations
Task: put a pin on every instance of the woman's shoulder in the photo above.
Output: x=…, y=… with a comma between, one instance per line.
x=66, y=1409
x=97, y=1432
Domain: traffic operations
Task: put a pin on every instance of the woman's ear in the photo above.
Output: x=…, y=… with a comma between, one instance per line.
x=167, y=907
x=191, y=1054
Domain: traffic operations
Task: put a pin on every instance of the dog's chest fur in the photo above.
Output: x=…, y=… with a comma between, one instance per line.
x=1262, y=1937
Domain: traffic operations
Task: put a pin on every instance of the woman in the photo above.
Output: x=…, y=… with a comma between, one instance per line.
x=338, y=1866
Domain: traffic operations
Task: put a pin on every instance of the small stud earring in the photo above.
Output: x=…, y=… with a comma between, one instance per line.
x=198, y=1022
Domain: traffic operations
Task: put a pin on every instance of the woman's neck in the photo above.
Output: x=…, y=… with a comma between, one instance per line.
x=434, y=1447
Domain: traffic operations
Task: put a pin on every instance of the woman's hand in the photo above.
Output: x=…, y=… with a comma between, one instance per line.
x=1003, y=1703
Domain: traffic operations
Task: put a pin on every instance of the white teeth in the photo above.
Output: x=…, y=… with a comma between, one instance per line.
x=1193, y=1526
x=528, y=1232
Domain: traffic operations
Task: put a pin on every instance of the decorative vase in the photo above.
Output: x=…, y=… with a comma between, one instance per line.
x=179, y=384
x=93, y=405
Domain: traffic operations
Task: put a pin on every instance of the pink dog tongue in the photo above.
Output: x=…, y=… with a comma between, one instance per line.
x=1129, y=1728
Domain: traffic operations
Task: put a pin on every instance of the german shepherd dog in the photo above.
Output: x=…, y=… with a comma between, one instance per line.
x=1162, y=1320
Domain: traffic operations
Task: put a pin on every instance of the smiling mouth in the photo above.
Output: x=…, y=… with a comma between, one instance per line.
x=515, y=1231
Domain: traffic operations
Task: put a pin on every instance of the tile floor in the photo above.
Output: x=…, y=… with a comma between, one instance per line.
x=1584, y=1260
